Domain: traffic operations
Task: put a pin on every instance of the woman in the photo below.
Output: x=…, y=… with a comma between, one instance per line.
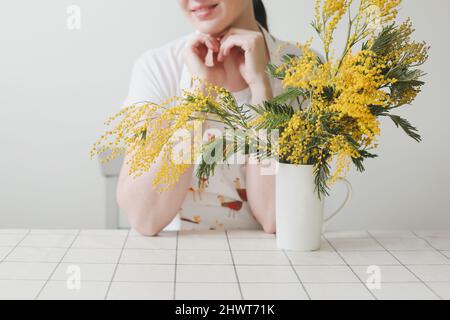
x=231, y=48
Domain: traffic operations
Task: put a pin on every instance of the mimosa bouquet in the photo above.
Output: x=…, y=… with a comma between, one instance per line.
x=330, y=108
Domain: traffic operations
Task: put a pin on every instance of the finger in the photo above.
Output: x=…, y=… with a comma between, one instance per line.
x=210, y=42
x=229, y=44
x=200, y=45
x=215, y=60
x=224, y=47
x=227, y=34
x=215, y=44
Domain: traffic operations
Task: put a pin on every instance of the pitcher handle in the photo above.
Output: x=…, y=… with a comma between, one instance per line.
x=344, y=204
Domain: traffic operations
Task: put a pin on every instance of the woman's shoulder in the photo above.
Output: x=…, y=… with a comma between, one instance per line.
x=169, y=55
x=280, y=48
x=157, y=73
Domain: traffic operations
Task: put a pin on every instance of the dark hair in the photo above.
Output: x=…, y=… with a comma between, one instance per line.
x=260, y=13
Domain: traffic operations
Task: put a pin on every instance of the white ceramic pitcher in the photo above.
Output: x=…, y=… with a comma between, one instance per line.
x=299, y=211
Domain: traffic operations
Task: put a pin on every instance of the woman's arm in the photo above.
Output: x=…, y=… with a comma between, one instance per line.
x=147, y=209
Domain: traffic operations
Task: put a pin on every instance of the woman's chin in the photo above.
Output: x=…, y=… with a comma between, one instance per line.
x=213, y=28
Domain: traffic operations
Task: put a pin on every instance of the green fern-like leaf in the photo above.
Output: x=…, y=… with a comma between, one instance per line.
x=409, y=129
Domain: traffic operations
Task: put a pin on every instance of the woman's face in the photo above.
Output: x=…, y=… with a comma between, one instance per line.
x=213, y=17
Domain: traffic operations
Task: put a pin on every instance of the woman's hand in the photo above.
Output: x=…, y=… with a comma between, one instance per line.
x=248, y=49
x=240, y=54
x=195, y=54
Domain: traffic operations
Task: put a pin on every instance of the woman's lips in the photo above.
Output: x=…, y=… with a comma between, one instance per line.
x=204, y=12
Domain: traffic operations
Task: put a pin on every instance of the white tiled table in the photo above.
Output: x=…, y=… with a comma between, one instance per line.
x=118, y=264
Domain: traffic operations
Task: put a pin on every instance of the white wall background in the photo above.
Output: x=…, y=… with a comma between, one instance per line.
x=57, y=87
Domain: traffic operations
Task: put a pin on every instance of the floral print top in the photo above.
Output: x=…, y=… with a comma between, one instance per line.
x=222, y=202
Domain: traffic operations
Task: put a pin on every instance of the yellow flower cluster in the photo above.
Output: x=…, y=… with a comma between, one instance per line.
x=342, y=89
x=348, y=94
x=344, y=152
x=388, y=9
x=372, y=16
x=299, y=145
x=357, y=86
x=301, y=71
x=328, y=14
x=336, y=10
x=145, y=133
x=294, y=141
x=417, y=52
x=402, y=51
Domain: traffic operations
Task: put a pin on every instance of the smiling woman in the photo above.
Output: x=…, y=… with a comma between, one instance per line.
x=204, y=12
x=214, y=17
x=233, y=33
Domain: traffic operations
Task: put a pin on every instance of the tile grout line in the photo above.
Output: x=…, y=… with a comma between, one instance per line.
x=15, y=247
x=225, y=265
x=353, y=271
x=439, y=252
x=234, y=265
x=58, y=264
x=429, y=243
x=298, y=277
x=246, y=282
x=230, y=264
x=219, y=282
x=117, y=264
x=176, y=267
x=401, y=263
x=205, y=250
